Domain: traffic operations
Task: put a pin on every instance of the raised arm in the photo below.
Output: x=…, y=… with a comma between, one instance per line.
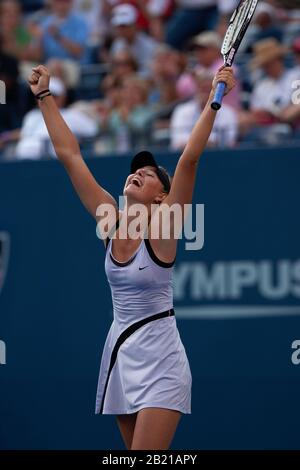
x=67, y=148
x=184, y=178
x=185, y=174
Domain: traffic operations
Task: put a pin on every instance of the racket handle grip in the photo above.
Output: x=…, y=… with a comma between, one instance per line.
x=219, y=94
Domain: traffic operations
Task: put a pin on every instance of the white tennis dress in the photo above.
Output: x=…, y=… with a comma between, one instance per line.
x=144, y=363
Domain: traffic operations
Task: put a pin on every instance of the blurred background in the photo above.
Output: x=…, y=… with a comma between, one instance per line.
x=132, y=75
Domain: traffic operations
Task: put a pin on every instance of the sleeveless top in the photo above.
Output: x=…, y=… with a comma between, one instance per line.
x=141, y=286
x=144, y=363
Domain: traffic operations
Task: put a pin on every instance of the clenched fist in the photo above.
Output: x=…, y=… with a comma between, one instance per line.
x=39, y=79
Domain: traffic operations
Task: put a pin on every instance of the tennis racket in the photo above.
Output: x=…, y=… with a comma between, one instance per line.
x=237, y=28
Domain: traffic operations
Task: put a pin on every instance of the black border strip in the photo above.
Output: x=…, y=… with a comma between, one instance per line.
x=80, y=458
x=154, y=258
x=122, y=265
x=126, y=333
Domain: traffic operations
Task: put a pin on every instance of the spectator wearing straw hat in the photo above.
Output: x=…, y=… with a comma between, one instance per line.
x=272, y=93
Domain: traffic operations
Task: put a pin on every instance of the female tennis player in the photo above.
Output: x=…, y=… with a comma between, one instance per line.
x=145, y=378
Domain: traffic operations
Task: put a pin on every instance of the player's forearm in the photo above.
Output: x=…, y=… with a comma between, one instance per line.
x=200, y=134
x=64, y=142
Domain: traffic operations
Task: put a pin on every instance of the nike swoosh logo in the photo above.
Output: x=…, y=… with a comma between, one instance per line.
x=141, y=269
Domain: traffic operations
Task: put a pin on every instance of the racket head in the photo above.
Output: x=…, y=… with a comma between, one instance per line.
x=237, y=28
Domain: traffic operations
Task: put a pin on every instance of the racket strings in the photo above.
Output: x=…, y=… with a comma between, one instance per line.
x=238, y=23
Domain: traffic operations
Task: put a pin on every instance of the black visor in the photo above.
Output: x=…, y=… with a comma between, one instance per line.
x=146, y=158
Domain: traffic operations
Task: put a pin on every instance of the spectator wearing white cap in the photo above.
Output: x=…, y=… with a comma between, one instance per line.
x=225, y=130
x=34, y=140
x=194, y=16
x=127, y=36
x=152, y=14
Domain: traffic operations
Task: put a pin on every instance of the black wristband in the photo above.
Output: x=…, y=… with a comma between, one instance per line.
x=42, y=92
x=44, y=96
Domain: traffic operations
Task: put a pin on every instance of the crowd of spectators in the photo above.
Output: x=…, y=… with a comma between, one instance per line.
x=136, y=73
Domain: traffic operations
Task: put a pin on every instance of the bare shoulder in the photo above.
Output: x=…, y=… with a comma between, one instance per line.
x=161, y=234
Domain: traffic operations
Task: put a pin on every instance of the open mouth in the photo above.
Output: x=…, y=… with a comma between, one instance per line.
x=136, y=182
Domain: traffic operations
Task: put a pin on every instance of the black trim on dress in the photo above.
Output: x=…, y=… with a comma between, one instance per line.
x=125, y=335
x=122, y=265
x=154, y=258
x=111, y=233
